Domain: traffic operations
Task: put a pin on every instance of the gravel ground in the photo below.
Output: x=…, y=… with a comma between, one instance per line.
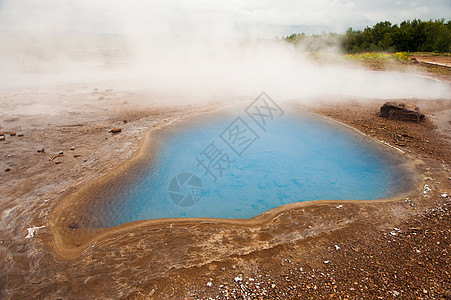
x=393, y=249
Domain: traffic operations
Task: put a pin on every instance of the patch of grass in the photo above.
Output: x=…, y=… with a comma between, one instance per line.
x=430, y=54
x=379, y=56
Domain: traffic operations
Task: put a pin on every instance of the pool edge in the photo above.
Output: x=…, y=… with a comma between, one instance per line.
x=68, y=243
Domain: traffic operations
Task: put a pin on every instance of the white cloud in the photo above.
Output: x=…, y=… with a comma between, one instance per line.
x=251, y=17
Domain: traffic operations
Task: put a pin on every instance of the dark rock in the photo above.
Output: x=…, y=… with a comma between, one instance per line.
x=7, y=169
x=41, y=150
x=73, y=225
x=401, y=111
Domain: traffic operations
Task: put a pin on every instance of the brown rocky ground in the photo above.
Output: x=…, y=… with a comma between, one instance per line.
x=424, y=65
x=327, y=249
x=433, y=59
x=410, y=261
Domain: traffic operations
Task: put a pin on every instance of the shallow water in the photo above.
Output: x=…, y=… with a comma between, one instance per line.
x=295, y=158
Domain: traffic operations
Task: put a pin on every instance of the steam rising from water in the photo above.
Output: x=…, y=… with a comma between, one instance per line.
x=175, y=51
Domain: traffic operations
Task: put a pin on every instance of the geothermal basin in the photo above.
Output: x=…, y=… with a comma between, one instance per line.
x=230, y=165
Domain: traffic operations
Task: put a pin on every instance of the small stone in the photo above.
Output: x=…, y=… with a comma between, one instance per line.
x=12, y=133
x=73, y=225
x=57, y=162
x=7, y=169
x=20, y=135
x=77, y=155
x=72, y=148
x=115, y=130
x=61, y=153
x=41, y=150
x=2, y=137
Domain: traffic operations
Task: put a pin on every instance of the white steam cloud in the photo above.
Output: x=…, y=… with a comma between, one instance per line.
x=185, y=50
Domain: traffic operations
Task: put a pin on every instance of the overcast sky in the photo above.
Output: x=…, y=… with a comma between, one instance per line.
x=251, y=17
x=338, y=15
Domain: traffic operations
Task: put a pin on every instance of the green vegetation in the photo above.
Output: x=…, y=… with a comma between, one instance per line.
x=315, y=42
x=379, y=56
x=409, y=36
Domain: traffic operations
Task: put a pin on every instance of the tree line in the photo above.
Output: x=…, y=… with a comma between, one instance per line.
x=408, y=36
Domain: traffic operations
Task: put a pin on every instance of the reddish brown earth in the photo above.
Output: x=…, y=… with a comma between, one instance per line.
x=434, y=60
x=424, y=65
x=396, y=248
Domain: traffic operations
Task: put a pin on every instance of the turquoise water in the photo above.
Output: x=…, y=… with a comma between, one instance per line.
x=299, y=157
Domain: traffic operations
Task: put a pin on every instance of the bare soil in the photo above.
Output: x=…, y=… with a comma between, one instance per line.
x=434, y=60
x=395, y=248
x=436, y=67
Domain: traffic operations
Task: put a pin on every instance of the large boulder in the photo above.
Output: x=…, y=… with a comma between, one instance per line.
x=401, y=111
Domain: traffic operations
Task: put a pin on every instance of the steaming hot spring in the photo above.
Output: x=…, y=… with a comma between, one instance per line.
x=237, y=164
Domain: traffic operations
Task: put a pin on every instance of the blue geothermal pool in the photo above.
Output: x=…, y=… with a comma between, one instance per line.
x=229, y=166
